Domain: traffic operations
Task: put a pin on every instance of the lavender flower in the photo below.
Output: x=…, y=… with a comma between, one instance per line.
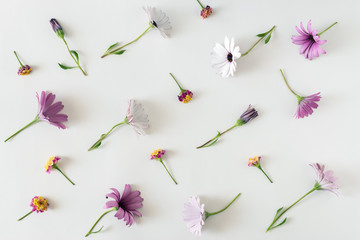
x=48, y=111
x=135, y=117
x=305, y=104
x=310, y=41
x=248, y=115
x=195, y=215
x=324, y=181
x=126, y=206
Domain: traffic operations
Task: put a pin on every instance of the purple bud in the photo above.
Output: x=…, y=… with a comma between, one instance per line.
x=57, y=28
x=248, y=115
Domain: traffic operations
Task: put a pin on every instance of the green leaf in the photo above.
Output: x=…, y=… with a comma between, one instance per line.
x=278, y=211
x=262, y=34
x=268, y=38
x=280, y=223
x=98, y=230
x=65, y=67
x=96, y=146
x=75, y=54
x=119, y=52
x=211, y=143
x=112, y=46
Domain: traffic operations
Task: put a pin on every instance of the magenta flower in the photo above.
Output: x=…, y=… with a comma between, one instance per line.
x=185, y=96
x=157, y=155
x=52, y=163
x=310, y=41
x=38, y=204
x=195, y=215
x=305, y=104
x=255, y=161
x=48, y=111
x=247, y=116
x=23, y=69
x=324, y=181
x=126, y=206
x=206, y=11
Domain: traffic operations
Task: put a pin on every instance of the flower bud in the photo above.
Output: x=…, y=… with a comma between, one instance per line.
x=57, y=28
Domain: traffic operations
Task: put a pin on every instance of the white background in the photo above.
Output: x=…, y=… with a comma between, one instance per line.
x=97, y=102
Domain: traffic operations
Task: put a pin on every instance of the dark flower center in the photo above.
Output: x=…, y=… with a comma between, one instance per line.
x=154, y=24
x=229, y=57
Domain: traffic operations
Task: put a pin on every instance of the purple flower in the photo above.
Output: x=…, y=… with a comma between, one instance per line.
x=194, y=215
x=248, y=115
x=126, y=205
x=325, y=179
x=57, y=28
x=310, y=42
x=307, y=104
x=49, y=111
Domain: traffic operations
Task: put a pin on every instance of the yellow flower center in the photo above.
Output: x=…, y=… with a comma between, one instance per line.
x=40, y=203
x=49, y=163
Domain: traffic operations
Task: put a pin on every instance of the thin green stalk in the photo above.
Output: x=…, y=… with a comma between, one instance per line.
x=25, y=215
x=117, y=49
x=200, y=4
x=57, y=168
x=18, y=58
x=207, y=214
x=105, y=135
x=217, y=136
x=265, y=173
x=327, y=28
x=168, y=171
x=282, y=213
x=77, y=62
x=288, y=85
x=31, y=123
x=181, y=89
x=269, y=32
x=90, y=231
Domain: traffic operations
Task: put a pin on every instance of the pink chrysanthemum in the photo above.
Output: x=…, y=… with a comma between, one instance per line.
x=127, y=205
x=307, y=104
x=325, y=179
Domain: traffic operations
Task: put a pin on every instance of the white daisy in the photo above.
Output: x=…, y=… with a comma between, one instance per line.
x=158, y=20
x=137, y=117
x=223, y=58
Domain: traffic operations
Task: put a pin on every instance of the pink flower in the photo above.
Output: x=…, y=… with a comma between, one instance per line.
x=325, y=179
x=137, y=118
x=194, y=215
x=49, y=111
x=157, y=154
x=307, y=104
x=205, y=12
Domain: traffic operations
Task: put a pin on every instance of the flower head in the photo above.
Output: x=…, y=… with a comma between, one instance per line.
x=223, y=58
x=39, y=204
x=248, y=115
x=194, y=215
x=324, y=179
x=310, y=41
x=137, y=117
x=24, y=70
x=127, y=204
x=307, y=104
x=205, y=12
x=185, y=96
x=158, y=20
x=157, y=154
x=50, y=163
x=49, y=111
x=254, y=161
x=57, y=28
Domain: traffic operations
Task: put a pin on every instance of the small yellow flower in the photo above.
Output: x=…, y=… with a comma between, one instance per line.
x=39, y=204
x=253, y=161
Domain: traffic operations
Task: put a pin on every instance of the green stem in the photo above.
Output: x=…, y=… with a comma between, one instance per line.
x=77, y=62
x=117, y=49
x=34, y=121
x=217, y=136
x=168, y=171
x=110, y=210
x=327, y=28
x=105, y=135
x=18, y=59
x=207, y=214
x=181, y=89
x=269, y=32
x=57, y=168
x=282, y=213
x=259, y=167
x=200, y=4
x=25, y=215
x=288, y=85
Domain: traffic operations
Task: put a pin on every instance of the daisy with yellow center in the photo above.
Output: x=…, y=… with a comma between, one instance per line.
x=255, y=161
x=38, y=204
x=51, y=163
